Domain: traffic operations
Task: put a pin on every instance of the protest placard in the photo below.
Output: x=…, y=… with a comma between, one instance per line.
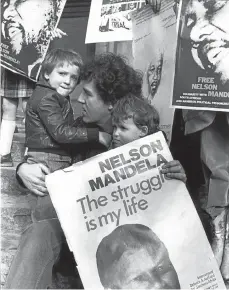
x=202, y=58
x=128, y=225
x=25, y=34
x=110, y=20
x=154, y=43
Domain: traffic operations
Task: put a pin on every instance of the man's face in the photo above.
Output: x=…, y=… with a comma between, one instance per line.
x=24, y=21
x=94, y=108
x=125, y=132
x=63, y=78
x=140, y=269
x=209, y=34
x=154, y=75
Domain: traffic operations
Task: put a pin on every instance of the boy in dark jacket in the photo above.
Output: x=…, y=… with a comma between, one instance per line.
x=51, y=132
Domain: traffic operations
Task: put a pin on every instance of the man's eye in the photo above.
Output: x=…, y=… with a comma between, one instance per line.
x=75, y=78
x=5, y=4
x=86, y=93
x=160, y=269
x=62, y=73
x=190, y=20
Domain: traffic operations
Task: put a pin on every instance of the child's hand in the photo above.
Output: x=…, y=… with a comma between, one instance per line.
x=174, y=170
x=105, y=139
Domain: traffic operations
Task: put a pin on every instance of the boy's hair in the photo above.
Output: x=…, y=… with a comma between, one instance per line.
x=112, y=76
x=58, y=57
x=139, y=109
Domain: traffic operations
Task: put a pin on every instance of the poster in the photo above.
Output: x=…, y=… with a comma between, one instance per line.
x=130, y=227
x=202, y=58
x=154, y=42
x=25, y=33
x=110, y=20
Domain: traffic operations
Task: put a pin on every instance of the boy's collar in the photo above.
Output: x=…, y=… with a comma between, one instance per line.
x=43, y=83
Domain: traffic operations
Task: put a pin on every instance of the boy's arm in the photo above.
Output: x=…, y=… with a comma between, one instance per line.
x=61, y=131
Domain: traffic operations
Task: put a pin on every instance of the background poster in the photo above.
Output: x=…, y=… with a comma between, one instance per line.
x=110, y=20
x=123, y=220
x=25, y=33
x=202, y=58
x=154, y=41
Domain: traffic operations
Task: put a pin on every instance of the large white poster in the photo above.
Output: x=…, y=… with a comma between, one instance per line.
x=154, y=42
x=130, y=227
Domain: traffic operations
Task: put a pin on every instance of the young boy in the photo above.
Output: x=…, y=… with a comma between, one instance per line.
x=50, y=130
x=133, y=118
x=51, y=134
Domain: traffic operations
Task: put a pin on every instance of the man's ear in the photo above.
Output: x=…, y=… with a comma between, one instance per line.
x=46, y=76
x=110, y=107
x=144, y=131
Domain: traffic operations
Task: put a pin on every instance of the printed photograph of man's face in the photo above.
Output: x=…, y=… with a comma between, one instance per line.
x=133, y=257
x=26, y=25
x=208, y=25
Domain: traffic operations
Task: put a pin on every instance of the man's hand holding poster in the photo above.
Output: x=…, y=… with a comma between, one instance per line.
x=128, y=225
x=26, y=29
x=202, y=60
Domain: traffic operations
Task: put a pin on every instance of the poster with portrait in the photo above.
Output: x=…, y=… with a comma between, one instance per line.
x=154, y=44
x=202, y=58
x=110, y=20
x=128, y=225
x=25, y=33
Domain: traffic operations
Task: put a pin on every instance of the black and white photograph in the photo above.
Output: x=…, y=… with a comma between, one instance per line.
x=114, y=144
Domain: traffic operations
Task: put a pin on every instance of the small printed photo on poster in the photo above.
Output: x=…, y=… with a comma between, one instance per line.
x=116, y=14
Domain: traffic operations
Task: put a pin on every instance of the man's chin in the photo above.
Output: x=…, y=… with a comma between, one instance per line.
x=222, y=69
x=85, y=119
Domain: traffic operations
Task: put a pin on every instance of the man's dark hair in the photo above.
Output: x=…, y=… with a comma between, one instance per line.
x=112, y=76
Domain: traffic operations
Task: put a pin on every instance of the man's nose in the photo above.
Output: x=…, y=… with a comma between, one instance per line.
x=10, y=12
x=199, y=31
x=81, y=98
x=156, y=282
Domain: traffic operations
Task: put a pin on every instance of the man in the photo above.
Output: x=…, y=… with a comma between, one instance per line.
x=207, y=31
x=208, y=21
x=105, y=79
x=133, y=257
x=154, y=76
x=26, y=29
